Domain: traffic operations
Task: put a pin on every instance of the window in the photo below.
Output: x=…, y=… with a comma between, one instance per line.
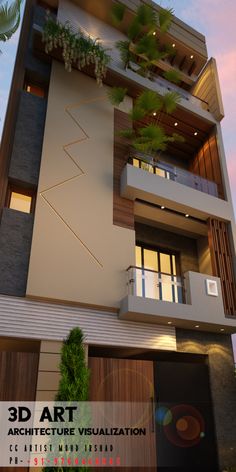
x=153, y=169
x=20, y=199
x=157, y=277
x=35, y=89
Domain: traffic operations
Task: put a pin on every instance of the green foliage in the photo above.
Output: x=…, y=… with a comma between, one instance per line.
x=125, y=54
x=169, y=101
x=143, y=38
x=9, y=18
x=148, y=101
x=165, y=19
x=147, y=16
x=76, y=48
x=116, y=95
x=74, y=381
x=117, y=12
x=172, y=75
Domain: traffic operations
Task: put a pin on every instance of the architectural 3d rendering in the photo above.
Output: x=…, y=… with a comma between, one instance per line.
x=116, y=217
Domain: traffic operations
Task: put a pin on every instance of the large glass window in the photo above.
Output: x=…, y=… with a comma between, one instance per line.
x=156, y=275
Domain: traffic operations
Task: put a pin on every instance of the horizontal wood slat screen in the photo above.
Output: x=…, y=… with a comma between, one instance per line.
x=207, y=164
x=222, y=265
x=123, y=209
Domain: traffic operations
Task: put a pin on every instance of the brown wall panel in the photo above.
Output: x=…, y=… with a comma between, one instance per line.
x=207, y=164
x=123, y=209
x=18, y=376
x=222, y=265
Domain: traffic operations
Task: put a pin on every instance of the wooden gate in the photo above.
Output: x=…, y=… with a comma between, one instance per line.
x=128, y=381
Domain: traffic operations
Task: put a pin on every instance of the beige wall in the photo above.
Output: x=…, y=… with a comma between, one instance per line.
x=77, y=253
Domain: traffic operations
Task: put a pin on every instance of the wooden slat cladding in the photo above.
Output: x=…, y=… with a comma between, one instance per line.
x=127, y=380
x=123, y=209
x=207, y=163
x=222, y=265
x=18, y=376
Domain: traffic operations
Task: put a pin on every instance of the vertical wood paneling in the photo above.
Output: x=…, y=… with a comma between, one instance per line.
x=128, y=381
x=207, y=164
x=221, y=258
x=18, y=376
x=123, y=209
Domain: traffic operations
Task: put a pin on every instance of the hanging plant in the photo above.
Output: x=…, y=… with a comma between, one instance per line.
x=77, y=48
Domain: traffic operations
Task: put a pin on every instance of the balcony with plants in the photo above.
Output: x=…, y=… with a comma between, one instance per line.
x=136, y=47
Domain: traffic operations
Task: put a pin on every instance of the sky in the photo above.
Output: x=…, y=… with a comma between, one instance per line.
x=216, y=19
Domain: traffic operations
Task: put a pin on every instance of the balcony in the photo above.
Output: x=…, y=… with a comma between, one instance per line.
x=182, y=176
x=194, y=302
x=157, y=285
x=179, y=191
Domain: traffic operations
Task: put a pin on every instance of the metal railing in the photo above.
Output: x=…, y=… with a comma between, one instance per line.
x=171, y=172
x=147, y=283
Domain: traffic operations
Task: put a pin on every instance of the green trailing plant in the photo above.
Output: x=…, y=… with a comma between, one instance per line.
x=9, y=18
x=74, y=382
x=144, y=45
x=148, y=107
x=77, y=48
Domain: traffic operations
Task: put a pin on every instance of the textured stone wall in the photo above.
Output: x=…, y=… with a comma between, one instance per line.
x=218, y=347
x=187, y=247
x=27, y=146
x=15, y=242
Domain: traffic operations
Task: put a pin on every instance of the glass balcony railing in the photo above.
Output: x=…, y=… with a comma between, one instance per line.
x=156, y=285
x=176, y=174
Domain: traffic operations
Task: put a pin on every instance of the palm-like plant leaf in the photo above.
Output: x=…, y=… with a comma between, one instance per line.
x=170, y=101
x=116, y=95
x=147, y=16
x=165, y=19
x=134, y=29
x=125, y=53
x=9, y=19
x=149, y=101
x=172, y=75
x=117, y=12
x=127, y=133
x=137, y=113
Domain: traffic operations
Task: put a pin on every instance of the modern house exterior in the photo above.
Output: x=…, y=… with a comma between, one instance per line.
x=140, y=256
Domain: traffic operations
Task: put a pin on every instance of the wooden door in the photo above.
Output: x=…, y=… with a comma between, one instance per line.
x=18, y=377
x=127, y=380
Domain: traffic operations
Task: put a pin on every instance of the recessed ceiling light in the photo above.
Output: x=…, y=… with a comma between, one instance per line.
x=222, y=329
x=169, y=322
x=173, y=45
x=154, y=33
x=191, y=57
x=196, y=326
x=186, y=215
x=154, y=113
x=162, y=207
x=195, y=133
x=176, y=124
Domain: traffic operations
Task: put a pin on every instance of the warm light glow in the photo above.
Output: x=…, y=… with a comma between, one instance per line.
x=195, y=134
x=222, y=329
x=154, y=33
x=187, y=215
x=173, y=45
x=191, y=57
x=169, y=322
x=20, y=202
x=176, y=124
x=162, y=207
x=154, y=113
x=197, y=326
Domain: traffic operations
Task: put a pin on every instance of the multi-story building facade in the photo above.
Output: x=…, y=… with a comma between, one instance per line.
x=141, y=257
